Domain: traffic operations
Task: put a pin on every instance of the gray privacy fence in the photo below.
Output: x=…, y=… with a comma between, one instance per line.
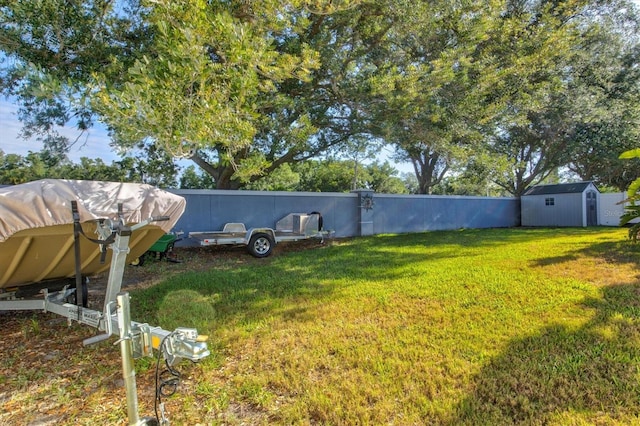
x=353, y=214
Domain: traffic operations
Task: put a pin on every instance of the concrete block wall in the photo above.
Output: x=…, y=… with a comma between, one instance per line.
x=361, y=212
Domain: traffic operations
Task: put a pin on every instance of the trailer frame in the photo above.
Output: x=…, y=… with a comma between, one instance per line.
x=260, y=241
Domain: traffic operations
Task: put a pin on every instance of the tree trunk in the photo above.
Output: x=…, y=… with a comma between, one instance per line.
x=221, y=174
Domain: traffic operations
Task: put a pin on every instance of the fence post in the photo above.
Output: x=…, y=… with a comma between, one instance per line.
x=366, y=204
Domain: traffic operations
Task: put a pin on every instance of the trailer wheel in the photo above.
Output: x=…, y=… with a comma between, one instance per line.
x=261, y=244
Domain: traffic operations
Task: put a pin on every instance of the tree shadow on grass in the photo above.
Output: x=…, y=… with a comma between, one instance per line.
x=620, y=251
x=481, y=237
x=591, y=370
x=263, y=288
x=266, y=288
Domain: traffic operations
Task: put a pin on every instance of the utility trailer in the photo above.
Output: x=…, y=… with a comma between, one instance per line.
x=260, y=241
x=43, y=236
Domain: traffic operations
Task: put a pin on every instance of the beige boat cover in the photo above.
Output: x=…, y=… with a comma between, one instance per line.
x=37, y=232
x=47, y=202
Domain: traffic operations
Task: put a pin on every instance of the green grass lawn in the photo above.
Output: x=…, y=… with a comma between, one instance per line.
x=477, y=327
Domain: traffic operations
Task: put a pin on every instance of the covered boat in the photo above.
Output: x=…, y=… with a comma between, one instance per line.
x=37, y=225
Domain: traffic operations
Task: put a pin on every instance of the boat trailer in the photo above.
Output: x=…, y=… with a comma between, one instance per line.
x=136, y=339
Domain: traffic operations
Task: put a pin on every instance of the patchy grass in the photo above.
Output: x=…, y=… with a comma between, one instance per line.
x=472, y=327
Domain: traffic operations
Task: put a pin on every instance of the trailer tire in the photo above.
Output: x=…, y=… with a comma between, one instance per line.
x=261, y=244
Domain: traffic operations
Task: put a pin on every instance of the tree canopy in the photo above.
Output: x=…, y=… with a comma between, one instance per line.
x=487, y=96
x=16, y=169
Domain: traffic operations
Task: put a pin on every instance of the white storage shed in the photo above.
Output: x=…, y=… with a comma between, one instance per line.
x=565, y=204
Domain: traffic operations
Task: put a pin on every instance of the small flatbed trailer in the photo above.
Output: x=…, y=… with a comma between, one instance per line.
x=260, y=241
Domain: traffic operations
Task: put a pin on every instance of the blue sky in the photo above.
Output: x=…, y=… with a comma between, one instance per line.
x=92, y=144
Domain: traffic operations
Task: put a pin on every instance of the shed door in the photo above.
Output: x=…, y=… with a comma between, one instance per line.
x=592, y=209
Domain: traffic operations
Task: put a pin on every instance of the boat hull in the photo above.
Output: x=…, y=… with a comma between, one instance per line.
x=37, y=226
x=41, y=254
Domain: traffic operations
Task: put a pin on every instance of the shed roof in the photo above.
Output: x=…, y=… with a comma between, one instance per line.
x=561, y=188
